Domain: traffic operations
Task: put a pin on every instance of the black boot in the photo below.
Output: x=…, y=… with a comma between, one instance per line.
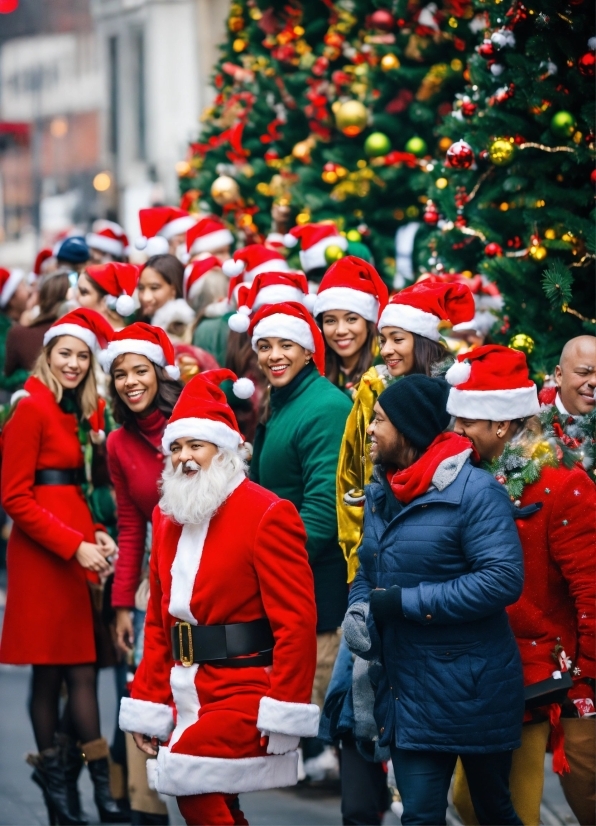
x=48, y=773
x=147, y=819
x=72, y=760
x=96, y=755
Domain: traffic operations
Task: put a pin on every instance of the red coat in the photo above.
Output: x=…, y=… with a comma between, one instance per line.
x=559, y=598
x=48, y=617
x=248, y=562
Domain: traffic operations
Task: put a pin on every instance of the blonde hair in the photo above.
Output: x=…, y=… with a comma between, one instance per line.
x=86, y=392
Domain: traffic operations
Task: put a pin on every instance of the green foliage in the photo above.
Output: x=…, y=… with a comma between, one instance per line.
x=557, y=282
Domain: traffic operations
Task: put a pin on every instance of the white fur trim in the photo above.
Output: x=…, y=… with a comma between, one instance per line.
x=217, y=308
x=411, y=319
x=281, y=717
x=186, y=698
x=232, y=268
x=101, y=242
x=177, y=309
x=185, y=774
x=276, y=294
x=76, y=330
x=494, y=405
x=314, y=256
x=212, y=241
x=347, y=299
x=148, y=349
x=276, y=265
x=458, y=373
x=185, y=569
x=151, y=719
x=207, y=430
x=285, y=326
x=9, y=288
x=243, y=388
x=18, y=395
x=289, y=240
x=177, y=226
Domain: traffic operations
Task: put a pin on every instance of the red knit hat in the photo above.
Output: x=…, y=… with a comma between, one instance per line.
x=41, y=257
x=268, y=288
x=207, y=235
x=161, y=224
x=354, y=285
x=202, y=411
x=492, y=382
x=195, y=271
x=87, y=325
x=293, y=322
x=144, y=340
x=9, y=281
x=107, y=236
x=252, y=260
x=314, y=240
x=119, y=281
x=423, y=306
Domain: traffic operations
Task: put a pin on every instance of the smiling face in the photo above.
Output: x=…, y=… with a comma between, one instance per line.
x=281, y=359
x=576, y=375
x=489, y=438
x=346, y=334
x=192, y=454
x=154, y=291
x=135, y=381
x=69, y=361
x=388, y=447
x=397, y=350
x=87, y=294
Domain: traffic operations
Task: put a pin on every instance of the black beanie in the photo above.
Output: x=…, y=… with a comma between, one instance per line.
x=417, y=406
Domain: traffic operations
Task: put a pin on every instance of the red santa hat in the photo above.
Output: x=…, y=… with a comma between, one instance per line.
x=314, y=240
x=202, y=411
x=9, y=281
x=87, y=325
x=196, y=270
x=275, y=240
x=493, y=383
x=422, y=307
x=108, y=236
x=268, y=288
x=252, y=260
x=354, y=285
x=293, y=322
x=40, y=258
x=207, y=235
x=158, y=225
x=119, y=281
x=144, y=340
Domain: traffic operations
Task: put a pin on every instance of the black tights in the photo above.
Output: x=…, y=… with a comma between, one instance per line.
x=81, y=717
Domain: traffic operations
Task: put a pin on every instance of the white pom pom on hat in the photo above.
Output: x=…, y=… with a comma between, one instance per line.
x=458, y=373
x=233, y=268
x=141, y=242
x=289, y=240
x=243, y=388
x=125, y=305
x=309, y=301
x=240, y=321
x=172, y=371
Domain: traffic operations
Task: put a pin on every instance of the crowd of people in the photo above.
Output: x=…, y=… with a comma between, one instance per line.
x=311, y=526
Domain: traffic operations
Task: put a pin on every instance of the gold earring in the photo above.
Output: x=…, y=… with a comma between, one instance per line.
x=499, y=433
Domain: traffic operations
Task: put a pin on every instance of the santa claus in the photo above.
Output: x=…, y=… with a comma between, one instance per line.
x=230, y=644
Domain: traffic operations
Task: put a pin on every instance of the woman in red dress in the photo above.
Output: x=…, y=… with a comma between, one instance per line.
x=53, y=551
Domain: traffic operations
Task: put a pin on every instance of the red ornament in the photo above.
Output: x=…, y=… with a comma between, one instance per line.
x=593, y=176
x=460, y=155
x=493, y=250
x=333, y=39
x=468, y=108
x=586, y=64
x=271, y=155
x=501, y=479
x=431, y=214
x=382, y=19
x=320, y=66
x=515, y=242
x=486, y=49
x=460, y=222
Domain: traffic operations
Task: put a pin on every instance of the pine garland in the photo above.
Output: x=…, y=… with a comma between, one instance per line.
x=576, y=433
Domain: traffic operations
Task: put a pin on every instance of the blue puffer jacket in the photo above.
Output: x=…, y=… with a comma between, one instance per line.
x=453, y=676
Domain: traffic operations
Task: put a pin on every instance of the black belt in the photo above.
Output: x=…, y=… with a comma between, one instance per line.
x=51, y=476
x=224, y=645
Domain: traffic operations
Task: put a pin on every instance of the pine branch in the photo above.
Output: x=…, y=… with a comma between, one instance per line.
x=556, y=283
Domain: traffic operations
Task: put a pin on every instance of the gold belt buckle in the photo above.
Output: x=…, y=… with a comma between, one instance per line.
x=186, y=661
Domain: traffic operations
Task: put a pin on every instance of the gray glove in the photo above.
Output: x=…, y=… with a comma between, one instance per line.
x=355, y=630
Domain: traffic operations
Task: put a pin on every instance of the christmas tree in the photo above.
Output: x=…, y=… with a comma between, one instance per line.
x=512, y=198
x=328, y=111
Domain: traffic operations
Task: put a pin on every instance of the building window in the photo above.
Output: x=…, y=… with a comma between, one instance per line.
x=139, y=94
x=114, y=93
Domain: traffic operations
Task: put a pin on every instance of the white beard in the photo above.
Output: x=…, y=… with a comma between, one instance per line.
x=195, y=499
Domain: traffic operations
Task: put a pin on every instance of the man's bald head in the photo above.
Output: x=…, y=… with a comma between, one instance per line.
x=575, y=375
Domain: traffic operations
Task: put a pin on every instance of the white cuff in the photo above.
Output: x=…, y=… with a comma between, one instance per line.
x=298, y=719
x=150, y=719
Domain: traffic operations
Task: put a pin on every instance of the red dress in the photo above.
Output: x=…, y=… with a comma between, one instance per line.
x=48, y=618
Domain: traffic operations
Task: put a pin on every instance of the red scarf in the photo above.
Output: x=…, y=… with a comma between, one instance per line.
x=415, y=480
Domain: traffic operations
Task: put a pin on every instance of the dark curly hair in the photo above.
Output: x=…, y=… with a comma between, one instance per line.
x=168, y=390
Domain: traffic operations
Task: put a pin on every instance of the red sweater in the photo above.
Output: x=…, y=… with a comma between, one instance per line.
x=135, y=462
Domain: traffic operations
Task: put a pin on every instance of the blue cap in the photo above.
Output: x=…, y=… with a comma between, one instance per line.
x=74, y=250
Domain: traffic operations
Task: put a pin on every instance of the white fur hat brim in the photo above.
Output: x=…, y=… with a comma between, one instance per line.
x=410, y=319
x=83, y=333
x=212, y=241
x=205, y=430
x=280, y=325
x=494, y=405
x=348, y=300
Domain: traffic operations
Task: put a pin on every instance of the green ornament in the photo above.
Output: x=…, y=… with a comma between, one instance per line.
x=417, y=147
x=353, y=235
x=563, y=124
x=333, y=253
x=377, y=144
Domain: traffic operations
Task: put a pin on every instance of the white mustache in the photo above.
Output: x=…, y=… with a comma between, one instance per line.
x=190, y=465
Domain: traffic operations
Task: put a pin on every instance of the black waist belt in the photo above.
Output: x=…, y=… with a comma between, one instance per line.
x=74, y=476
x=224, y=645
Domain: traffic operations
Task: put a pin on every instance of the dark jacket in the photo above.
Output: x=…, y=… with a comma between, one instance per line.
x=295, y=456
x=453, y=677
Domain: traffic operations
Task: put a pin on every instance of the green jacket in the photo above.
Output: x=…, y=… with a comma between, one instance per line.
x=19, y=377
x=295, y=456
x=211, y=335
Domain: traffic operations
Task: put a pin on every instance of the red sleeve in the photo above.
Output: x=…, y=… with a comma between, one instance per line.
x=132, y=530
x=572, y=541
x=21, y=448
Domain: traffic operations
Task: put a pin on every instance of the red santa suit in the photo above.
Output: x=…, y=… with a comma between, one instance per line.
x=248, y=562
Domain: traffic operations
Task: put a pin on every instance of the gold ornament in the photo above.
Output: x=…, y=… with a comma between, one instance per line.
x=183, y=169
x=550, y=234
x=354, y=236
x=501, y=151
x=444, y=144
x=303, y=217
x=441, y=183
x=236, y=10
x=351, y=118
x=224, y=190
x=333, y=253
x=239, y=45
x=301, y=151
x=541, y=450
x=236, y=24
x=538, y=252
x=522, y=342
x=329, y=176
x=255, y=13
x=390, y=61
